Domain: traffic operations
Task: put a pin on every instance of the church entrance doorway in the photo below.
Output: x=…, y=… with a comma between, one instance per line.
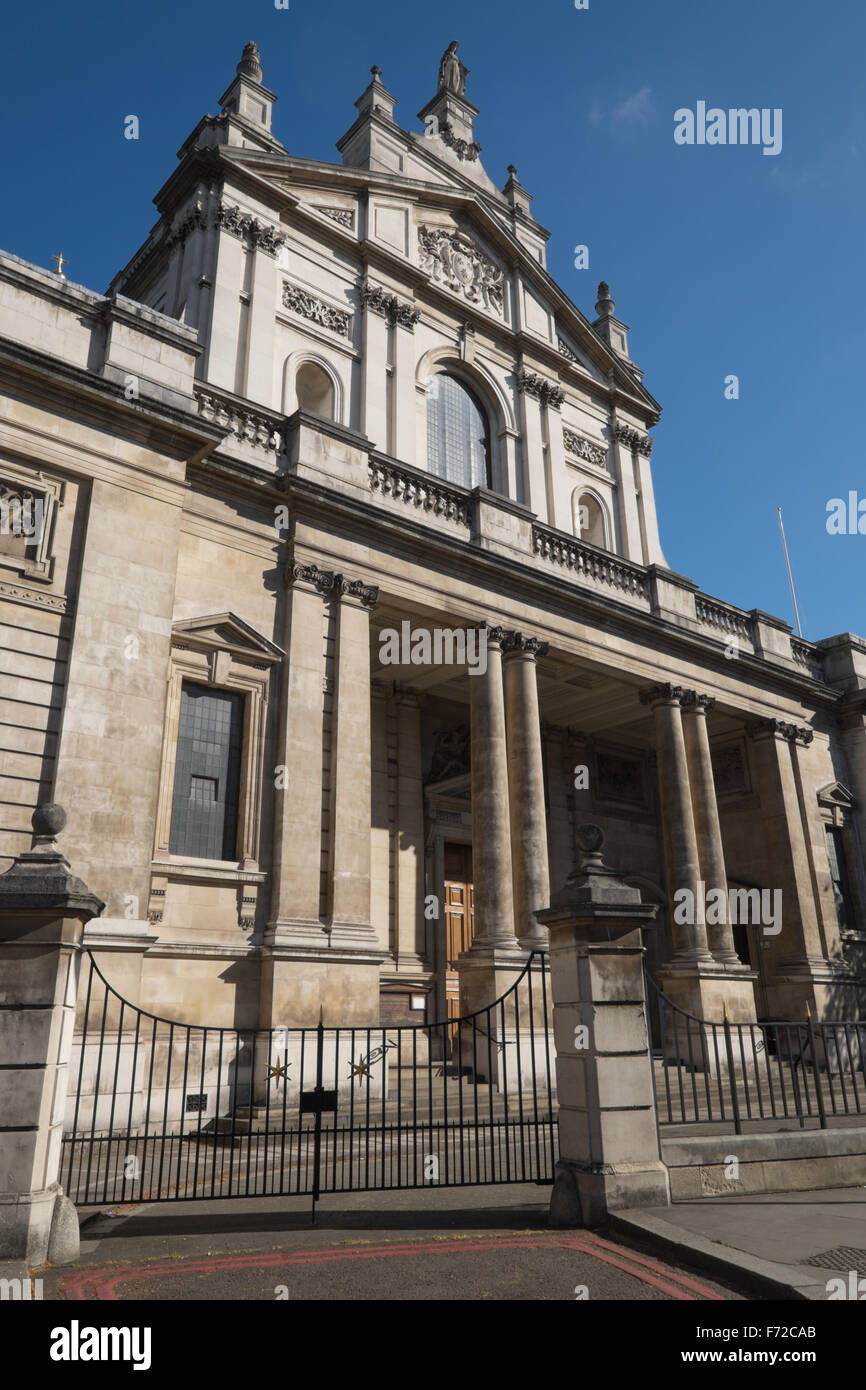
x=459, y=919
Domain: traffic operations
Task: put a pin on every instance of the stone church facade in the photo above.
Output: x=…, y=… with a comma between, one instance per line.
x=332, y=430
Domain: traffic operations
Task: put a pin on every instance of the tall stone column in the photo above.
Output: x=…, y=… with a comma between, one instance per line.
x=409, y=854
x=298, y=802
x=491, y=829
x=313, y=959
x=711, y=852
x=797, y=970
x=43, y=909
x=681, y=844
x=529, y=850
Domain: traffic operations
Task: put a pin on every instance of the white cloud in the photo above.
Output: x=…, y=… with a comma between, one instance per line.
x=638, y=107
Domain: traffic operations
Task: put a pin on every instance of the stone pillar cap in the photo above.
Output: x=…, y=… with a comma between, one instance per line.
x=41, y=877
x=592, y=889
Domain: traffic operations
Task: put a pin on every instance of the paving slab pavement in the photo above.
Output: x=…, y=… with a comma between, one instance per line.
x=763, y=1240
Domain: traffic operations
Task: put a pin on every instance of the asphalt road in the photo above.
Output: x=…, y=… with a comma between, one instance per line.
x=468, y=1244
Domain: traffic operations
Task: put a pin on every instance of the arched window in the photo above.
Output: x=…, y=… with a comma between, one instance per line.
x=458, y=435
x=315, y=390
x=588, y=519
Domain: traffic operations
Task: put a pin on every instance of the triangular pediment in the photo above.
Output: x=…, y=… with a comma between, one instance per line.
x=836, y=794
x=328, y=189
x=226, y=632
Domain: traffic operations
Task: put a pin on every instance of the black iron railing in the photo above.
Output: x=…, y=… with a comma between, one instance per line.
x=161, y=1109
x=738, y=1074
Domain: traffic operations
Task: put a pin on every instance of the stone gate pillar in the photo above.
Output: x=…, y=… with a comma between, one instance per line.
x=43, y=909
x=609, y=1157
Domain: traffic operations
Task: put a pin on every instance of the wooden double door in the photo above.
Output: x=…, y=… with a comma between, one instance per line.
x=459, y=918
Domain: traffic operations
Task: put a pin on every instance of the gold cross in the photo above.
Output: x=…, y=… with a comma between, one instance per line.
x=61, y=262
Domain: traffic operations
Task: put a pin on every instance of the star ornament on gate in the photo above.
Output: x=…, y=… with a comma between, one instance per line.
x=279, y=1071
x=359, y=1069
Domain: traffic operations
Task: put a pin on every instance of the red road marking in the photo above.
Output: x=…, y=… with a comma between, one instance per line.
x=102, y=1283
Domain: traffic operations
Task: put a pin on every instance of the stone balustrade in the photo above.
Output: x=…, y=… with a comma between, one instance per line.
x=806, y=654
x=260, y=428
x=588, y=563
x=731, y=622
x=419, y=490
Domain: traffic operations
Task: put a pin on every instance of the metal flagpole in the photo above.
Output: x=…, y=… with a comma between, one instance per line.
x=790, y=576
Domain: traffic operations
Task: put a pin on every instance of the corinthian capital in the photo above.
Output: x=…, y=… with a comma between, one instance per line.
x=664, y=694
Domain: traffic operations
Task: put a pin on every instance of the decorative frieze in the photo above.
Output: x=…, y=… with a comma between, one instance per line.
x=453, y=259
x=539, y=387
x=309, y=307
x=781, y=728
x=426, y=493
x=585, y=449
x=345, y=216
x=249, y=426
x=35, y=598
x=567, y=352
x=388, y=305
x=464, y=149
x=242, y=224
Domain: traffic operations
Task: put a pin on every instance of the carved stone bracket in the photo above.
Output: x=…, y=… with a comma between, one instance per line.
x=309, y=307
x=388, y=305
x=539, y=387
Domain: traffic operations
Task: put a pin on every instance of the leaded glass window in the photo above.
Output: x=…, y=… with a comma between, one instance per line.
x=204, y=810
x=458, y=438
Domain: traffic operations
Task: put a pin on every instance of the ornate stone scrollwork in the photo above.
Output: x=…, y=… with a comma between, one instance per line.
x=242, y=224
x=345, y=216
x=664, y=692
x=453, y=259
x=584, y=448
x=567, y=352
x=464, y=149
x=309, y=307
x=388, y=305
x=356, y=588
x=781, y=728
x=540, y=388
x=322, y=580
x=519, y=642
x=625, y=434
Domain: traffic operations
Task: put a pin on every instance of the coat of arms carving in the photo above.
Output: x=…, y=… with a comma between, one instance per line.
x=454, y=260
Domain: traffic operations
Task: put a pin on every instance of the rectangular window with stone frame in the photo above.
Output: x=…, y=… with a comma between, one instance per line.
x=204, y=810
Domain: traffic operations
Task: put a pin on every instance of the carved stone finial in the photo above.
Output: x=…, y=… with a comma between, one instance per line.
x=604, y=305
x=512, y=171
x=251, y=63
x=47, y=820
x=452, y=73
x=376, y=73
x=590, y=839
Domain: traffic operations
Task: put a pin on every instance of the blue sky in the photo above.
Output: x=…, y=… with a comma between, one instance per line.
x=721, y=259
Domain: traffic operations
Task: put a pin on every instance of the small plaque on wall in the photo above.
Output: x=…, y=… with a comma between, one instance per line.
x=196, y=1103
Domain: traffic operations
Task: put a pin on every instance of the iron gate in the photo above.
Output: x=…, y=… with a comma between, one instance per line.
x=164, y=1110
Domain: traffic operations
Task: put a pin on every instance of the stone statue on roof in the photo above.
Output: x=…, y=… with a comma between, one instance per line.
x=452, y=73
